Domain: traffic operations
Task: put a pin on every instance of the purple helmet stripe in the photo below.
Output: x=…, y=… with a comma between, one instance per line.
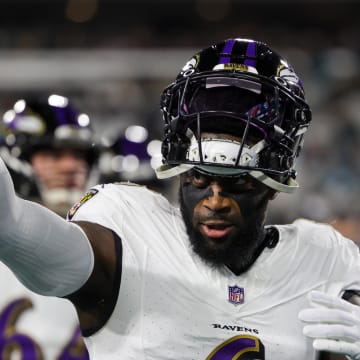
x=65, y=116
x=60, y=115
x=227, y=50
x=251, y=52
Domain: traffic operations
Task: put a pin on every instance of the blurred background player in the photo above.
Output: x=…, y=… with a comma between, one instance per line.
x=133, y=155
x=50, y=150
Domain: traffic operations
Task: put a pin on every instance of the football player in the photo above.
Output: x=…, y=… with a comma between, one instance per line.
x=208, y=280
x=133, y=155
x=50, y=149
x=48, y=146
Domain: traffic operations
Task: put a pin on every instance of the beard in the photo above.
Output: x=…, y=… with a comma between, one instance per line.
x=238, y=252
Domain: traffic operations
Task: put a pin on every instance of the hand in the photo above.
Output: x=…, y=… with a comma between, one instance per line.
x=334, y=324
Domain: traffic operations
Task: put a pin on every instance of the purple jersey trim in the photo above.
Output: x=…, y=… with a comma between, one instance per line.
x=233, y=349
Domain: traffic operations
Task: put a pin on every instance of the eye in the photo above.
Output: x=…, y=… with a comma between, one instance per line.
x=240, y=185
x=199, y=180
x=243, y=188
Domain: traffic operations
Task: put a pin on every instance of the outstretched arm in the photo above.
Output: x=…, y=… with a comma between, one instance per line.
x=48, y=254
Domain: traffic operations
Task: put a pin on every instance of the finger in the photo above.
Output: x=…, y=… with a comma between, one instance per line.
x=329, y=316
x=334, y=331
x=330, y=301
x=334, y=346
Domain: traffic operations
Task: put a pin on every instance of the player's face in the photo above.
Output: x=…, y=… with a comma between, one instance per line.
x=224, y=217
x=60, y=168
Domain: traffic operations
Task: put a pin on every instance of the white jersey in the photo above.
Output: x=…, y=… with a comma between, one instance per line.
x=35, y=327
x=173, y=306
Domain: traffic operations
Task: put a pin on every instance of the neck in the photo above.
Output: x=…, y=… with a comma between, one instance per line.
x=269, y=240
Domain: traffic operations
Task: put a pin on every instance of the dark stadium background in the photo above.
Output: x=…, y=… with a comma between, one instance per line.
x=114, y=57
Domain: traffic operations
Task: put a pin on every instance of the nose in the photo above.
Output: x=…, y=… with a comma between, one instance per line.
x=68, y=161
x=216, y=201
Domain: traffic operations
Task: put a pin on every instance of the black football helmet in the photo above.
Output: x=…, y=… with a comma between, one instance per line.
x=130, y=156
x=47, y=121
x=246, y=90
x=40, y=122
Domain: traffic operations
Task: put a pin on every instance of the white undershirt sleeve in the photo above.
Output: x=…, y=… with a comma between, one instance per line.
x=48, y=254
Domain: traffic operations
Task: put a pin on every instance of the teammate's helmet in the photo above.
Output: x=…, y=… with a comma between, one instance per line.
x=243, y=88
x=130, y=156
x=38, y=123
x=44, y=122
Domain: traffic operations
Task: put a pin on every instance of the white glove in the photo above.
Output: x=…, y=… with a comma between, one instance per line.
x=334, y=324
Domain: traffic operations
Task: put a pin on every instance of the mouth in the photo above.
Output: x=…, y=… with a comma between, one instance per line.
x=216, y=229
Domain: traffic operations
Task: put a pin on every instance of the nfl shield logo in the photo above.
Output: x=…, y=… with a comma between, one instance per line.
x=236, y=295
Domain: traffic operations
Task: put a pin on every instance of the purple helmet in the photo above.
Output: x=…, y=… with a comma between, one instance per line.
x=47, y=122
x=131, y=156
x=42, y=122
x=242, y=88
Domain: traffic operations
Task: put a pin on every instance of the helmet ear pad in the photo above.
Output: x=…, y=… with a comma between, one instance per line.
x=271, y=157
